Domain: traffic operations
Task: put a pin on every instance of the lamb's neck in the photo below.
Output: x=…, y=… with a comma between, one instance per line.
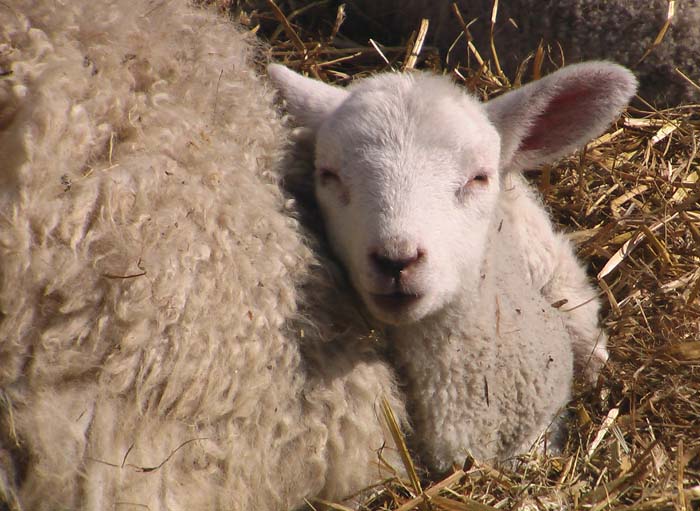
x=443, y=360
x=464, y=323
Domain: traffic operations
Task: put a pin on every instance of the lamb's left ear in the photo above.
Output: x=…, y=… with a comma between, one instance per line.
x=558, y=114
x=308, y=100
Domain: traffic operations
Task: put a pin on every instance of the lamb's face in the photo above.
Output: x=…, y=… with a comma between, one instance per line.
x=407, y=180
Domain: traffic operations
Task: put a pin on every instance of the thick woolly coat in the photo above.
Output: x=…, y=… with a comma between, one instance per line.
x=167, y=337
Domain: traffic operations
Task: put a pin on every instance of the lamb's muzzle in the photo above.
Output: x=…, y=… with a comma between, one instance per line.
x=394, y=265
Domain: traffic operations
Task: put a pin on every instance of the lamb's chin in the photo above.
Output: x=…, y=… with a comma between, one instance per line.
x=398, y=308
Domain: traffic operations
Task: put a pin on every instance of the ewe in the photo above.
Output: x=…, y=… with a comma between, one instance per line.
x=446, y=245
x=153, y=287
x=620, y=30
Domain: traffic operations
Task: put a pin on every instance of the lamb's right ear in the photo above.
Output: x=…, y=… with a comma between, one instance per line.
x=308, y=100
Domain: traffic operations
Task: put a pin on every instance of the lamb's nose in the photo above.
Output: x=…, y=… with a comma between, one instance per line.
x=394, y=265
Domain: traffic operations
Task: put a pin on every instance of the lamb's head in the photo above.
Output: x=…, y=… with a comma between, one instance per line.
x=406, y=187
x=409, y=170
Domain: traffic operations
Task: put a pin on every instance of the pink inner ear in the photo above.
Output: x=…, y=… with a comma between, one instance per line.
x=558, y=124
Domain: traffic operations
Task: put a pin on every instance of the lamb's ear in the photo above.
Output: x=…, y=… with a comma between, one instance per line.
x=308, y=100
x=558, y=114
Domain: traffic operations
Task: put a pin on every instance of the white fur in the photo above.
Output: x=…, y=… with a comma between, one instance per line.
x=419, y=189
x=167, y=338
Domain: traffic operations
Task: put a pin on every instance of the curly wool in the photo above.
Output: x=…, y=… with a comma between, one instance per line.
x=168, y=338
x=621, y=31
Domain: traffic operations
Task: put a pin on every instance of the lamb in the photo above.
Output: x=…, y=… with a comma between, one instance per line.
x=620, y=30
x=451, y=252
x=170, y=338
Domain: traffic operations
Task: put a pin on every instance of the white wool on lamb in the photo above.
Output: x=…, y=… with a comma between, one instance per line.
x=168, y=340
x=446, y=245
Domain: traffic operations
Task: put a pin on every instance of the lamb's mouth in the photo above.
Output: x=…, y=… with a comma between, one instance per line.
x=396, y=301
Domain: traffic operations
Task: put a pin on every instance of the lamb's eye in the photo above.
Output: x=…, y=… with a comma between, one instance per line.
x=476, y=182
x=327, y=176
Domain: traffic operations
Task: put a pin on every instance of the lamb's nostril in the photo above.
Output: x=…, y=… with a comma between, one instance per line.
x=394, y=265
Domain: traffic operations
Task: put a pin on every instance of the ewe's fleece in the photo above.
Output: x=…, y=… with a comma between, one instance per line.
x=153, y=287
x=619, y=30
